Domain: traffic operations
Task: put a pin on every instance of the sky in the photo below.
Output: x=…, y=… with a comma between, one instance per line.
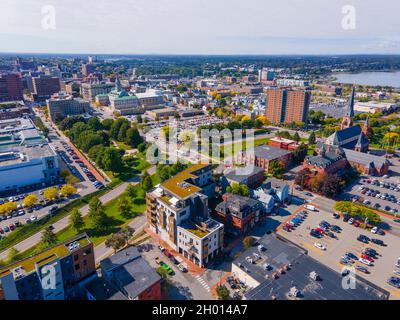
x=200, y=26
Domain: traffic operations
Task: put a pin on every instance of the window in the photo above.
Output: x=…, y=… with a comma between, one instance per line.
x=76, y=257
x=77, y=266
x=84, y=262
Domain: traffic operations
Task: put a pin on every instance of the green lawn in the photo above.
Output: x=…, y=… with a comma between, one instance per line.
x=244, y=145
x=123, y=146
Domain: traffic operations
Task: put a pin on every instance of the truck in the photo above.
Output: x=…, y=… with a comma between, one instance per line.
x=310, y=207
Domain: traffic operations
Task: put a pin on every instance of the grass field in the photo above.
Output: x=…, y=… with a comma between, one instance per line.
x=230, y=148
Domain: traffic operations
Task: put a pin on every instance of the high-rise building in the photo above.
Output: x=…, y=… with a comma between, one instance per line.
x=10, y=87
x=62, y=104
x=177, y=210
x=91, y=89
x=287, y=106
x=265, y=75
x=45, y=86
x=30, y=278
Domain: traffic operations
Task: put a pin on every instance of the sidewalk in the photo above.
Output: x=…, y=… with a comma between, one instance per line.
x=193, y=268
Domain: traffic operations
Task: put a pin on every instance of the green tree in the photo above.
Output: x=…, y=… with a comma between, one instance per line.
x=112, y=160
x=125, y=207
x=222, y=292
x=312, y=139
x=127, y=233
x=244, y=190
x=97, y=215
x=133, y=137
x=276, y=169
x=146, y=182
x=122, y=131
x=49, y=238
x=76, y=220
x=115, y=241
x=235, y=188
x=296, y=137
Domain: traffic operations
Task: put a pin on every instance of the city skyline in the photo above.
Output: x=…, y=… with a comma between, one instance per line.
x=200, y=27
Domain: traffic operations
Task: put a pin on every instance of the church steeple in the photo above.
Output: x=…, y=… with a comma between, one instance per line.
x=349, y=115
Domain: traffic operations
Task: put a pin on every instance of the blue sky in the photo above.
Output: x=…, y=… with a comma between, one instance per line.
x=200, y=27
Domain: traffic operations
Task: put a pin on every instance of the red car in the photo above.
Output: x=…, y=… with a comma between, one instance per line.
x=366, y=257
x=356, y=223
x=1, y=231
x=319, y=230
x=12, y=227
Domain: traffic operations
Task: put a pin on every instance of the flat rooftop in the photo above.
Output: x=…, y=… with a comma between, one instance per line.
x=130, y=271
x=24, y=153
x=280, y=252
x=28, y=265
x=267, y=152
x=179, y=186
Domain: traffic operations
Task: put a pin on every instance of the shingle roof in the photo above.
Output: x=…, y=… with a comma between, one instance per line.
x=365, y=159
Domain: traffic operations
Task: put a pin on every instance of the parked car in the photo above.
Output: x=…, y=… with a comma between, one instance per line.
x=378, y=242
x=320, y=246
x=362, y=269
x=365, y=261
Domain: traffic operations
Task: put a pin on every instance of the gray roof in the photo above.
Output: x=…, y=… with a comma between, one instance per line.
x=267, y=152
x=350, y=105
x=280, y=251
x=241, y=174
x=339, y=136
x=365, y=158
x=327, y=158
x=238, y=205
x=130, y=271
x=100, y=289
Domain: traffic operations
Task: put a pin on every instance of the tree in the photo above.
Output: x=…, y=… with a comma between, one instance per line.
x=317, y=181
x=302, y=178
x=95, y=124
x=8, y=207
x=164, y=174
x=300, y=153
x=127, y=233
x=222, y=292
x=244, y=190
x=146, y=182
x=296, y=137
x=133, y=137
x=125, y=207
x=49, y=238
x=115, y=241
x=50, y=193
x=343, y=206
x=235, y=188
x=312, y=138
x=112, y=160
x=139, y=118
x=276, y=169
x=30, y=200
x=76, y=220
x=97, y=215
x=122, y=132
x=68, y=190
x=332, y=186
x=13, y=255
x=248, y=242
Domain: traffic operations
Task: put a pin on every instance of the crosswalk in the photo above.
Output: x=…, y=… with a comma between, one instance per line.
x=203, y=283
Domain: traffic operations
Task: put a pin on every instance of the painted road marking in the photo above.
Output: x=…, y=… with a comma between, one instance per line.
x=203, y=283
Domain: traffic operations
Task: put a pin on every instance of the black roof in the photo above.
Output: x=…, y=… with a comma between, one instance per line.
x=279, y=252
x=267, y=152
x=240, y=174
x=130, y=271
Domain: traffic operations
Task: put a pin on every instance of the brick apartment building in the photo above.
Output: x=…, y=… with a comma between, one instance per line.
x=238, y=214
x=44, y=87
x=11, y=87
x=287, y=106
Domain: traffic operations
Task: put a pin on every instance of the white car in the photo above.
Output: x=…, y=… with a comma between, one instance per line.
x=365, y=261
x=351, y=220
x=33, y=218
x=320, y=246
x=374, y=230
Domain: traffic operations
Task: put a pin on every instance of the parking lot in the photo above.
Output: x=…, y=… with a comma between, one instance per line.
x=346, y=241
x=42, y=209
x=377, y=193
